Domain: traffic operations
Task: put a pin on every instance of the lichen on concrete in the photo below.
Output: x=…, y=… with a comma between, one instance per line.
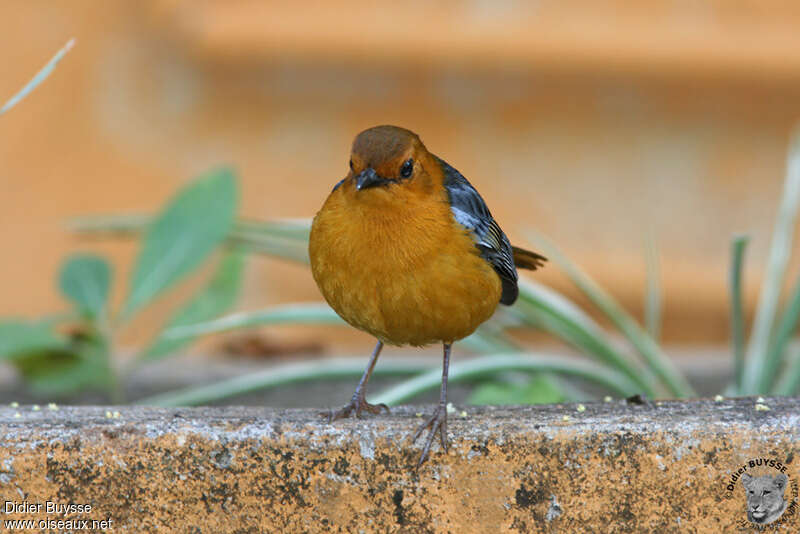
x=612, y=467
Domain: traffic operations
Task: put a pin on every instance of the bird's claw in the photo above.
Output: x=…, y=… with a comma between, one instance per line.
x=357, y=405
x=436, y=423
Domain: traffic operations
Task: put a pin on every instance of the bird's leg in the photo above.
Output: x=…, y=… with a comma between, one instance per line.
x=438, y=421
x=358, y=403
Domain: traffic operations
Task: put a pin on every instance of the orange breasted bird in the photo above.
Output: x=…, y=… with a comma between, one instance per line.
x=404, y=248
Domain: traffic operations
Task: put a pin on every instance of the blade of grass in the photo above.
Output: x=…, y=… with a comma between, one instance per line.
x=652, y=300
x=482, y=341
x=491, y=336
x=38, y=78
x=297, y=229
x=274, y=247
x=486, y=342
x=354, y=367
x=789, y=383
x=132, y=224
x=779, y=254
x=487, y=365
x=551, y=311
x=286, y=374
x=738, y=247
x=783, y=334
x=658, y=362
x=286, y=239
x=305, y=313
x=124, y=224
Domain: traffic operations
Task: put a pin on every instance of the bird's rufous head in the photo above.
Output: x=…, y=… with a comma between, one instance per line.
x=387, y=156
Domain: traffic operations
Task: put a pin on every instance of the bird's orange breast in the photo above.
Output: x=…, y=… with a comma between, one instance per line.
x=398, y=266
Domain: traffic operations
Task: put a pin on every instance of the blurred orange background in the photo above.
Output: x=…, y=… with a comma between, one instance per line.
x=596, y=123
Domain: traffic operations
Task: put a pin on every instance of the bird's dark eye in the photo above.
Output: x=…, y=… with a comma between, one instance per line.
x=351, y=164
x=407, y=168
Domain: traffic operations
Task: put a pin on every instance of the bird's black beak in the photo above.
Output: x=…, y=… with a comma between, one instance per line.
x=367, y=178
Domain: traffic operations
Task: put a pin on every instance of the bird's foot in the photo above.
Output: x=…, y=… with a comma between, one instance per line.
x=436, y=423
x=357, y=405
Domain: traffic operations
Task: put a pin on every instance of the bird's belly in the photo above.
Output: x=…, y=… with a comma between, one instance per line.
x=407, y=299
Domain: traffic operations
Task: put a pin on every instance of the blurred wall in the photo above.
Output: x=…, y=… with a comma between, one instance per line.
x=593, y=122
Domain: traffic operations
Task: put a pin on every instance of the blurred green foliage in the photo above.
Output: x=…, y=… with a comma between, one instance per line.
x=641, y=367
x=74, y=351
x=201, y=219
x=536, y=390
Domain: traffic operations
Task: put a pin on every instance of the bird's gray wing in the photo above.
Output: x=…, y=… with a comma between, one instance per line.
x=470, y=211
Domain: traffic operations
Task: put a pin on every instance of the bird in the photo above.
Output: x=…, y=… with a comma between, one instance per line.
x=405, y=249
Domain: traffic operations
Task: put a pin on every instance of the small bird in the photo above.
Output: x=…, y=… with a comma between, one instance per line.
x=405, y=249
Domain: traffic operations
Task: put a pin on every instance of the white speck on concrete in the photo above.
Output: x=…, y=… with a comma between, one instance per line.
x=554, y=510
x=660, y=464
x=367, y=448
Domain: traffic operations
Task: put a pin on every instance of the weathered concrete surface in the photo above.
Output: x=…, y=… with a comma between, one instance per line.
x=612, y=467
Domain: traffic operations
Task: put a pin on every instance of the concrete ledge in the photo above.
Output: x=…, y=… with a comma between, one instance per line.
x=616, y=467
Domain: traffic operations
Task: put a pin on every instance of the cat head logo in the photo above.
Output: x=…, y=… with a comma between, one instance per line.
x=765, y=497
x=771, y=492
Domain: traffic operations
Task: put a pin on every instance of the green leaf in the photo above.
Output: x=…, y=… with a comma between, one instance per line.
x=305, y=313
x=19, y=337
x=85, y=280
x=537, y=390
x=185, y=233
x=210, y=302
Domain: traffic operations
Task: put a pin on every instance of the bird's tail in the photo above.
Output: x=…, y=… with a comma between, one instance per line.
x=525, y=259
